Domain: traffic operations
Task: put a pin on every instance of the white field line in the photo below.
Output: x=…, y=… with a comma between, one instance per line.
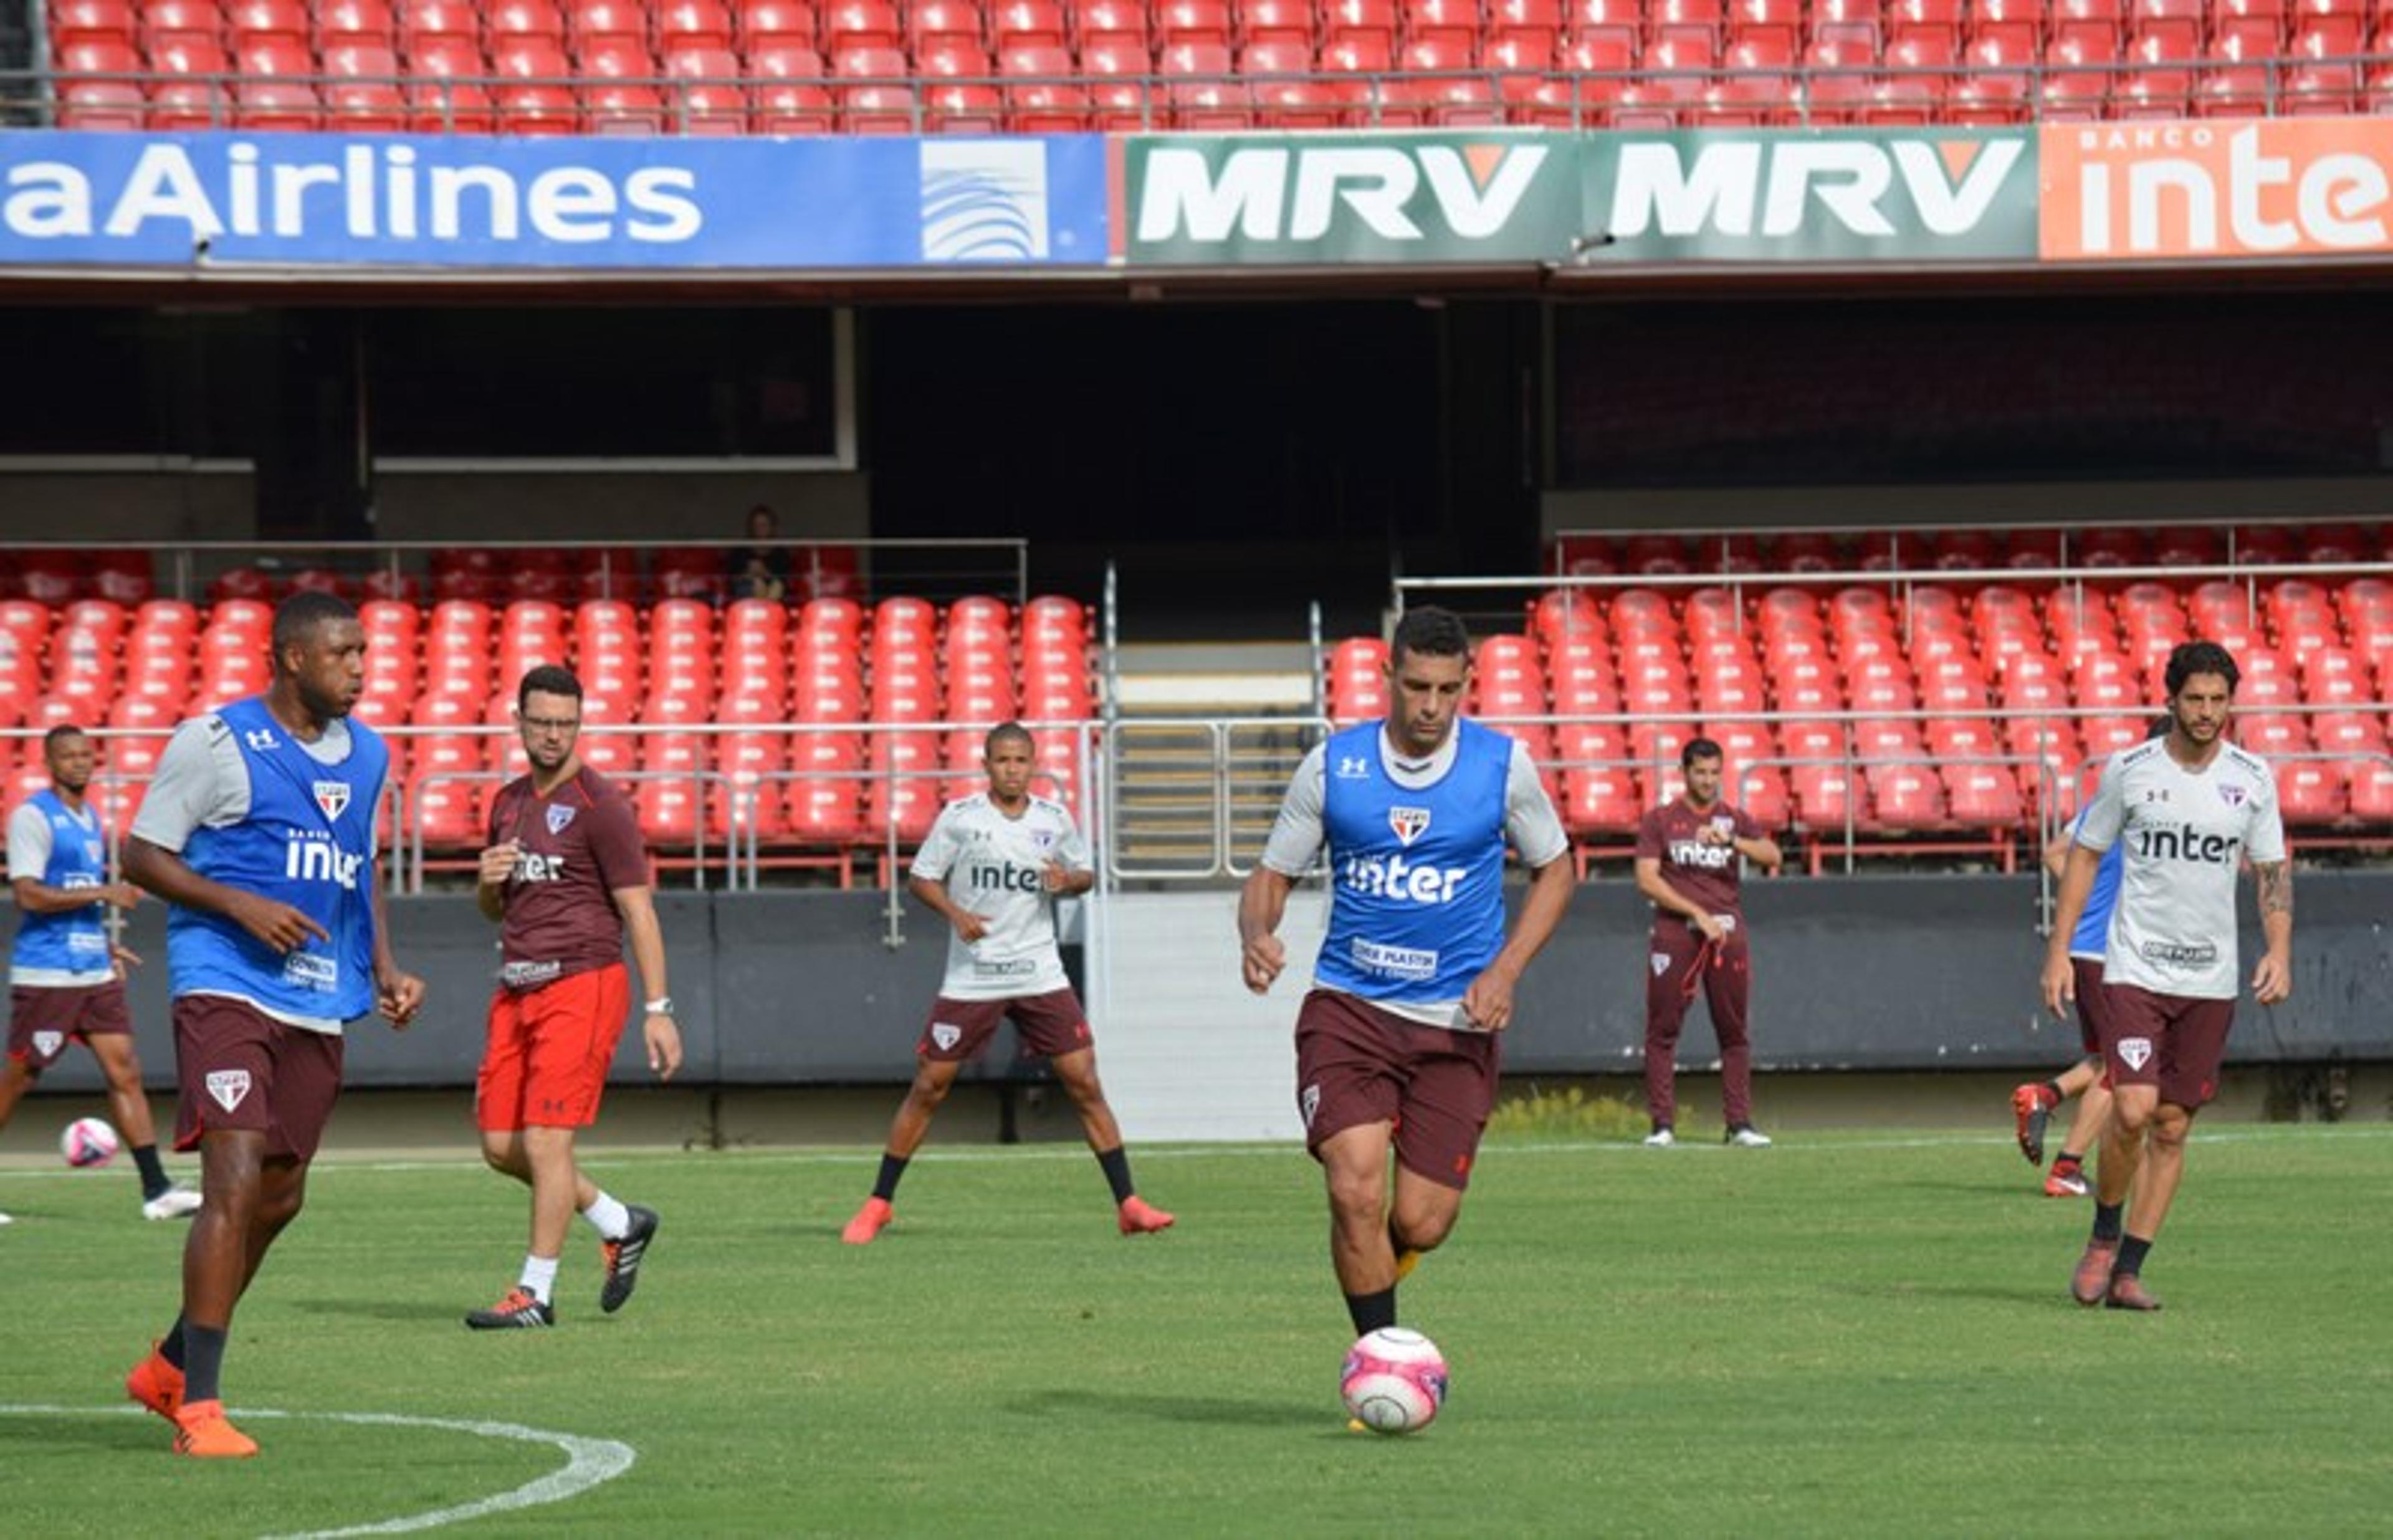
x=588, y=1462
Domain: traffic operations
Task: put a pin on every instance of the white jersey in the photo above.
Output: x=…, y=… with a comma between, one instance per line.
x=995, y=867
x=2186, y=833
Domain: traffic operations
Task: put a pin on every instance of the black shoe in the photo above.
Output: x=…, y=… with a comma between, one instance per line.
x=623, y=1259
x=519, y=1308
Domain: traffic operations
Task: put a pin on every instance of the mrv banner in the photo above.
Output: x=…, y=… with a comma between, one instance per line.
x=227, y=199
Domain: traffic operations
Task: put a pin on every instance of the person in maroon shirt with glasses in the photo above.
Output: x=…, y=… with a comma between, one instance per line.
x=564, y=877
x=1687, y=854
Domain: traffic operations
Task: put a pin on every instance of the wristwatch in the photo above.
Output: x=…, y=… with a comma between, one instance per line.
x=660, y=1006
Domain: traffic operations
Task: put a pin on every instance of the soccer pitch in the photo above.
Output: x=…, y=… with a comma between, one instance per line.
x=1850, y=1333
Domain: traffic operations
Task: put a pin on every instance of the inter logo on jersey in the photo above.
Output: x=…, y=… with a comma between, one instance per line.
x=333, y=798
x=1409, y=823
x=558, y=817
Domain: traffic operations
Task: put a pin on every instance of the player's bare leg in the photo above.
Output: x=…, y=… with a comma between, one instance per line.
x=161, y=1199
x=933, y=1079
x=1078, y=1070
x=1420, y=1219
x=2132, y=1110
x=2068, y=1179
x=249, y=1199
x=1355, y=1167
x=14, y=1082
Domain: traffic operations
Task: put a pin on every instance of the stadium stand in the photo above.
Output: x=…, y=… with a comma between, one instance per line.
x=974, y=66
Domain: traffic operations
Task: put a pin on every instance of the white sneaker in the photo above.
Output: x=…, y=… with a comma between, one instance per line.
x=1747, y=1136
x=1660, y=1139
x=175, y=1203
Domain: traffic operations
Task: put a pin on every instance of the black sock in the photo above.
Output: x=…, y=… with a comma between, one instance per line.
x=1371, y=1312
x=204, y=1348
x=2109, y=1219
x=884, y=1186
x=153, y=1175
x=2059, y=1095
x=170, y=1348
x=2131, y=1252
x=1116, y=1164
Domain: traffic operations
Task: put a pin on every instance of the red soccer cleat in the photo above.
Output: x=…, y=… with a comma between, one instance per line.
x=201, y=1432
x=868, y=1223
x=2092, y=1279
x=2030, y=1110
x=156, y=1384
x=2127, y=1293
x=1141, y=1218
x=2071, y=1184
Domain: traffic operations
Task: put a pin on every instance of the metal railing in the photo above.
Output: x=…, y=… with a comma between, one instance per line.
x=1233, y=756
x=2025, y=91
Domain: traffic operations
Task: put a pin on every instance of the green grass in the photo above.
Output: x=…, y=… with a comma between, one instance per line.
x=1846, y=1335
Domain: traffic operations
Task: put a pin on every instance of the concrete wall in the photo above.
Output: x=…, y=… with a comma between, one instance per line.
x=1872, y=973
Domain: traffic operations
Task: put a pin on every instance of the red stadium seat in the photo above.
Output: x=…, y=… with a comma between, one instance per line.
x=1116, y=24
x=363, y=96
x=792, y=97
x=1028, y=24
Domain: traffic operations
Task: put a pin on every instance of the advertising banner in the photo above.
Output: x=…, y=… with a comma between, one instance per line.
x=2218, y=188
x=1858, y=195
x=226, y=200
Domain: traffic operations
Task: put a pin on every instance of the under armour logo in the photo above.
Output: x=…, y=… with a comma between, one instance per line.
x=230, y=1087
x=2137, y=1052
x=258, y=738
x=1353, y=767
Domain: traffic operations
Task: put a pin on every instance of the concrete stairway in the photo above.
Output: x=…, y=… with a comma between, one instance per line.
x=1192, y=798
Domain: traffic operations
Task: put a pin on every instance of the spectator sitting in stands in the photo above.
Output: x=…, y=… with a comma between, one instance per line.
x=760, y=571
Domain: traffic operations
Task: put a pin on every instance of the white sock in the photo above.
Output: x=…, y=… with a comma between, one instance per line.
x=612, y=1220
x=538, y=1278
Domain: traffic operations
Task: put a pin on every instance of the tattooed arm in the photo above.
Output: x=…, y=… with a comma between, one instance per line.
x=2273, y=980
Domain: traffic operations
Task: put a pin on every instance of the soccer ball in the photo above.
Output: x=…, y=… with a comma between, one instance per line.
x=1394, y=1381
x=89, y=1142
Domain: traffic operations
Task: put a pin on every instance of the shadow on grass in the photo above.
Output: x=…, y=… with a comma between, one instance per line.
x=1207, y=1411
x=2039, y=1297
x=380, y=1309
x=29, y=1435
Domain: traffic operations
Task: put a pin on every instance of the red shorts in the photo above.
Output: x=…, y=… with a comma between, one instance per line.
x=1356, y=1063
x=43, y=1019
x=2172, y=1041
x=1052, y=1026
x=2092, y=1004
x=239, y=1069
x=544, y=1063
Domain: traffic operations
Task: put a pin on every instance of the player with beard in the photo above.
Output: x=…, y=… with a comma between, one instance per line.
x=1687, y=855
x=2189, y=808
x=566, y=877
x=66, y=979
x=259, y=830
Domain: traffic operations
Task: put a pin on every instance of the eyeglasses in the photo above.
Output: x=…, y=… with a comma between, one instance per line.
x=551, y=724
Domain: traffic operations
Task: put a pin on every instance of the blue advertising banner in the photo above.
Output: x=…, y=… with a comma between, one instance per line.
x=214, y=199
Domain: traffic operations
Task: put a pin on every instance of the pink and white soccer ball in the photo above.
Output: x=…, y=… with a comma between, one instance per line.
x=89, y=1142
x=1394, y=1381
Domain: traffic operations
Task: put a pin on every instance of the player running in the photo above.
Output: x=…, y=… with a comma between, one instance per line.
x=565, y=878
x=2033, y=1105
x=1397, y=1044
x=1687, y=863
x=259, y=829
x=2188, y=808
x=1012, y=855
x=66, y=979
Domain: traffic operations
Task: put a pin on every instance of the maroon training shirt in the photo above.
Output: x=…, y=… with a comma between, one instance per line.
x=1704, y=875
x=579, y=843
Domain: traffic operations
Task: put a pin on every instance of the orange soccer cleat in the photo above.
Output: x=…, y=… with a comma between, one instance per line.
x=156, y=1384
x=1141, y=1218
x=2127, y=1293
x=2092, y=1279
x=868, y=1223
x=201, y=1432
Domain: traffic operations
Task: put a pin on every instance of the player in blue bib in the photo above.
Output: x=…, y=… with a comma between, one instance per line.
x=259, y=829
x=2033, y=1105
x=66, y=976
x=1398, y=1044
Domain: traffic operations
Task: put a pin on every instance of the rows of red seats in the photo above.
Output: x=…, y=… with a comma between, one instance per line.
x=868, y=690
x=1905, y=697
x=59, y=576
x=872, y=66
x=1985, y=550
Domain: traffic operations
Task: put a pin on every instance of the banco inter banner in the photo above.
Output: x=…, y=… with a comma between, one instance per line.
x=1586, y=200
x=225, y=200
x=2220, y=188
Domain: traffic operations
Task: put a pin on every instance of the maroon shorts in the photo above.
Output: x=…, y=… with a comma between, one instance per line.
x=545, y=1057
x=43, y=1019
x=239, y=1069
x=1356, y=1063
x=2172, y=1041
x=1051, y=1025
x=2092, y=1004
